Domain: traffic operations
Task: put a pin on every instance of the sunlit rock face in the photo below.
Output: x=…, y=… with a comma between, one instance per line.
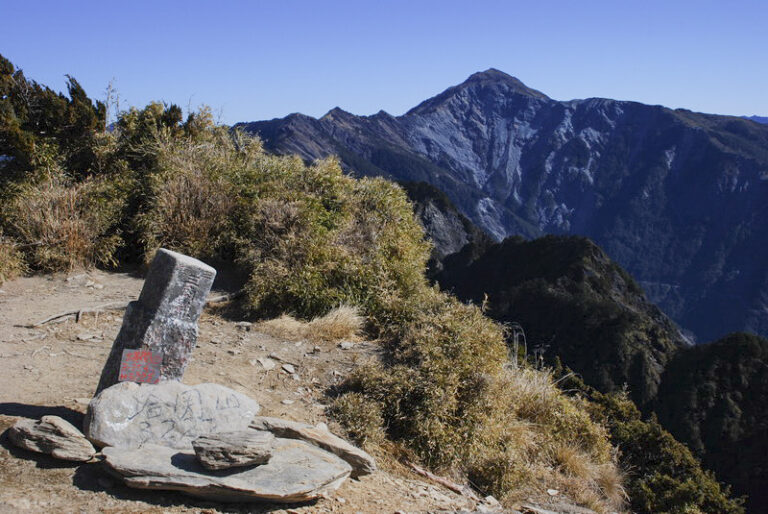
x=678, y=198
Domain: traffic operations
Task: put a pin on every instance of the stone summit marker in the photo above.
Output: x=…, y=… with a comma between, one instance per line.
x=164, y=318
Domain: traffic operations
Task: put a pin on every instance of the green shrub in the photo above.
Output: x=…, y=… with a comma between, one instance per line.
x=319, y=239
x=663, y=476
x=443, y=391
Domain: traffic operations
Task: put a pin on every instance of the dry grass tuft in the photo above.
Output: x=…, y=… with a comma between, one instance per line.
x=573, y=462
x=62, y=226
x=11, y=260
x=342, y=323
x=284, y=327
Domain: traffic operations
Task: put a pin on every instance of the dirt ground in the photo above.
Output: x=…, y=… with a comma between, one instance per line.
x=54, y=369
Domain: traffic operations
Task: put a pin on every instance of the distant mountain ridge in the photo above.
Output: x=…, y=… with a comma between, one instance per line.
x=758, y=119
x=678, y=198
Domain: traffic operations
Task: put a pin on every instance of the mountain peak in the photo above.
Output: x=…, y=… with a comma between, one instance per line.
x=337, y=112
x=502, y=84
x=492, y=75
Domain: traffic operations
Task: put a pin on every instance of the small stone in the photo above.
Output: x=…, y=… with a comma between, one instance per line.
x=553, y=492
x=233, y=351
x=346, y=345
x=234, y=449
x=267, y=364
x=54, y=436
x=244, y=325
x=341, y=500
x=288, y=368
x=287, y=402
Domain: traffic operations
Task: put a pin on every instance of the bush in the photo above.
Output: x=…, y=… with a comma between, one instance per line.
x=316, y=239
x=444, y=392
x=662, y=475
x=62, y=225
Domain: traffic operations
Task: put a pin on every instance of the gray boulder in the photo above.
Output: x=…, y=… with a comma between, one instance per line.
x=169, y=414
x=54, y=436
x=362, y=463
x=234, y=449
x=296, y=472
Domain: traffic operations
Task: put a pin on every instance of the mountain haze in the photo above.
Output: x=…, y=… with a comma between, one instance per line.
x=677, y=198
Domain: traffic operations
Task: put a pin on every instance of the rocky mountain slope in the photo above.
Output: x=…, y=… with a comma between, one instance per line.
x=446, y=227
x=676, y=197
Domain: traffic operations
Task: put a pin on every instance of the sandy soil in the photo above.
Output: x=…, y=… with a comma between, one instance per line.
x=54, y=369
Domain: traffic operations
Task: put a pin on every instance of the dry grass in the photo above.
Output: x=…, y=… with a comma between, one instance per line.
x=11, y=260
x=512, y=432
x=533, y=434
x=62, y=226
x=343, y=323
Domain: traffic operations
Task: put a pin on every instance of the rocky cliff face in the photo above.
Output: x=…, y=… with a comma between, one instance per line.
x=447, y=228
x=678, y=198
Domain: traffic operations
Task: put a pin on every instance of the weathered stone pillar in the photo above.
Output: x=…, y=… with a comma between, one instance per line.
x=164, y=318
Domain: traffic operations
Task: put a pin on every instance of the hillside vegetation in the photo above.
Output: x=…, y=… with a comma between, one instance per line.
x=713, y=398
x=309, y=238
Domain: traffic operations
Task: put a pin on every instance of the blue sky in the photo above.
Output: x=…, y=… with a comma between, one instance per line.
x=258, y=60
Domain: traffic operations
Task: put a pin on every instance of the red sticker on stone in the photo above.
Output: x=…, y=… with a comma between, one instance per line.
x=140, y=366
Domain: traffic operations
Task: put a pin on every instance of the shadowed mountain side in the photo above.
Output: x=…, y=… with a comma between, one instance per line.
x=574, y=303
x=713, y=397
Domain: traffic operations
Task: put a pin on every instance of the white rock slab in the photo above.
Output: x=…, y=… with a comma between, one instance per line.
x=169, y=413
x=296, y=472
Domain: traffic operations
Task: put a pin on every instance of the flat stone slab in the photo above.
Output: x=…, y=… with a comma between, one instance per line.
x=362, y=463
x=169, y=414
x=234, y=449
x=296, y=472
x=54, y=436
